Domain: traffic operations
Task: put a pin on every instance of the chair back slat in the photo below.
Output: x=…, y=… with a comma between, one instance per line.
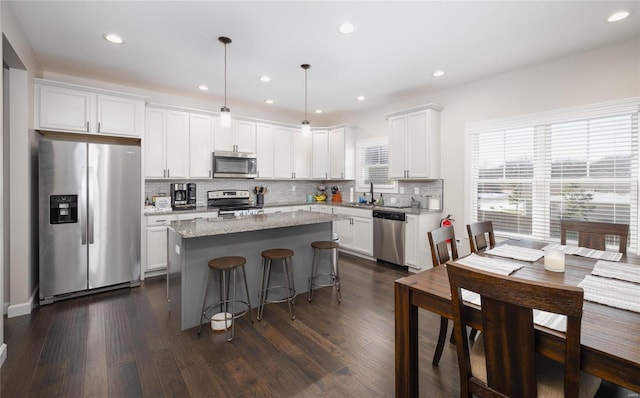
x=439, y=247
x=477, y=235
x=594, y=234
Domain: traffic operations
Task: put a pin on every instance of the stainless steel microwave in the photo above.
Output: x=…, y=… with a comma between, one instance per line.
x=235, y=165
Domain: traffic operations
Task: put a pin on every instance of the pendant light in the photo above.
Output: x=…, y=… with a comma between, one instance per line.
x=306, y=126
x=225, y=113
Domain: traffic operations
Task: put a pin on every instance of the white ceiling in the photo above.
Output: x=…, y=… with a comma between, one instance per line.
x=172, y=46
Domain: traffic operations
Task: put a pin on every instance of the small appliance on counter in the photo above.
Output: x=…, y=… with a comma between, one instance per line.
x=183, y=196
x=232, y=202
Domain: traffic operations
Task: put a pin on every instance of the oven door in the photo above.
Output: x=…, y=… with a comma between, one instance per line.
x=234, y=165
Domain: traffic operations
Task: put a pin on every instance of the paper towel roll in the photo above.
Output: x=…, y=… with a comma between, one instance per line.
x=434, y=204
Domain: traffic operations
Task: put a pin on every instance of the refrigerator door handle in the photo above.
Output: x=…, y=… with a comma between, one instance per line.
x=92, y=198
x=83, y=206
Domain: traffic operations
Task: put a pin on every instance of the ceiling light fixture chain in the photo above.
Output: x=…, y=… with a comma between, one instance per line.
x=306, y=126
x=225, y=113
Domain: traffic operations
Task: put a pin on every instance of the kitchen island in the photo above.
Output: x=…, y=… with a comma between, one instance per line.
x=192, y=243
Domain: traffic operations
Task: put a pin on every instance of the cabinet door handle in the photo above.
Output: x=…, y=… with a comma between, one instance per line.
x=98, y=127
x=342, y=174
x=209, y=173
x=87, y=126
x=168, y=173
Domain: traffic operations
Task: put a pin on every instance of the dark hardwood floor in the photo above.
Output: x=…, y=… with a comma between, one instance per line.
x=123, y=344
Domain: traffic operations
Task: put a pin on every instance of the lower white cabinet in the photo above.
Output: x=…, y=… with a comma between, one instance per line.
x=417, y=255
x=157, y=238
x=157, y=242
x=356, y=231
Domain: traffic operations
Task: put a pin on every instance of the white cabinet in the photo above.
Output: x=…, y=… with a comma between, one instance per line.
x=166, y=144
x=320, y=157
x=265, y=149
x=239, y=137
x=292, y=153
x=356, y=231
x=301, y=154
x=157, y=242
x=417, y=255
x=70, y=108
x=342, y=153
x=200, y=145
x=414, y=143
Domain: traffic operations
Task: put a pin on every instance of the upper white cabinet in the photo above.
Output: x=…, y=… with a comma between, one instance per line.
x=265, y=149
x=239, y=137
x=71, y=108
x=302, y=153
x=292, y=153
x=342, y=153
x=200, y=145
x=414, y=138
x=320, y=157
x=166, y=144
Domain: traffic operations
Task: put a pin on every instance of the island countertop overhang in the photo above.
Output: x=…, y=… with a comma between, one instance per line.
x=222, y=225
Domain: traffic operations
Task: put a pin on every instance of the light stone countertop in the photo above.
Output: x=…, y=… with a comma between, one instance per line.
x=230, y=225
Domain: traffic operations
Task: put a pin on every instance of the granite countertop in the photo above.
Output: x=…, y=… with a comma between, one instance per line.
x=204, y=209
x=229, y=225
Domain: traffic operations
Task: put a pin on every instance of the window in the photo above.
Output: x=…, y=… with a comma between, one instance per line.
x=526, y=174
x=373, y=166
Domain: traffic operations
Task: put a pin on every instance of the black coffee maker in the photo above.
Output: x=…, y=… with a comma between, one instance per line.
x=183, y=196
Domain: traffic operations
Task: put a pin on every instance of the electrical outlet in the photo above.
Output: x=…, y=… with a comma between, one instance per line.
x=401, y=189
x=416, y=190
x=177, y=250
x=293, y=188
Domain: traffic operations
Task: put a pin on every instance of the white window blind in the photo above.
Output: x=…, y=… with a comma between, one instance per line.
x=373, y=165
x=529, y=175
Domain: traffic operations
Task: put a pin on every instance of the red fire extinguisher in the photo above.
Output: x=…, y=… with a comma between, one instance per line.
x=446, y=222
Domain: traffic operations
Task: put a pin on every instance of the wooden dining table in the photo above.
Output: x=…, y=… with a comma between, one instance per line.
x=610, y=337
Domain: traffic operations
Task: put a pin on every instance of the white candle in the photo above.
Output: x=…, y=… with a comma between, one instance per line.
x=554, y=260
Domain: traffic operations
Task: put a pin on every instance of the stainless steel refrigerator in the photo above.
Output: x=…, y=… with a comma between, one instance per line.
x=89, y=210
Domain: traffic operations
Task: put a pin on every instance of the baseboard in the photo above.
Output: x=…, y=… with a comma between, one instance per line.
x=23, y=308
x=3, y=353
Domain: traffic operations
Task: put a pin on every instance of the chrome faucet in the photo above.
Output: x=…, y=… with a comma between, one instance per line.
x=371, y=193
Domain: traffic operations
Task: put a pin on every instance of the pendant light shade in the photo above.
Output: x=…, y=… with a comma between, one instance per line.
x=306, y=126
x=225, y=113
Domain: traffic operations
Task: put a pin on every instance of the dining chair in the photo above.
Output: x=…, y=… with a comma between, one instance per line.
x=440, y=255
x=593, y=234
x=503, y=361
x=478, y=235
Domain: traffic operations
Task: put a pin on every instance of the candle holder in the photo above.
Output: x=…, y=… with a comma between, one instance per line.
x=554, y=260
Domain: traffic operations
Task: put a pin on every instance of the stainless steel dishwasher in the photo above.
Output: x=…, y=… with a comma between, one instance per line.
x=388, y=236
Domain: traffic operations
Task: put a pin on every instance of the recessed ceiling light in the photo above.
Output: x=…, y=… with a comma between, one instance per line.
x=265, y=78
x=318, y=110
x=361, y=98
x=438, y=73
x=268, y=101
x=618, y=16
x=113, y=38
x=346, y=28
x=202, y=87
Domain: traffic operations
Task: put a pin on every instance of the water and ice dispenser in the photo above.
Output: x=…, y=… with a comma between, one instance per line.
x=63, y=209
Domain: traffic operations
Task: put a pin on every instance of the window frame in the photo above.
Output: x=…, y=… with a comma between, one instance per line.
x=541, y=195
x=359, y=185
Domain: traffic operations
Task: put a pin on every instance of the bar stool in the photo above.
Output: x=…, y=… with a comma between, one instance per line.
x=224, y=264
x=285, y=256
x=333, y=274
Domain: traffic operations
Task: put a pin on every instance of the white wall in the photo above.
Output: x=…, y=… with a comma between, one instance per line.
x=600, y=75
x=23, y=222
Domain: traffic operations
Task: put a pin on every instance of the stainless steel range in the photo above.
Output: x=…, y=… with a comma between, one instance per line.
x=234, y=202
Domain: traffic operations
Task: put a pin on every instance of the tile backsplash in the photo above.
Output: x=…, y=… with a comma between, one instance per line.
x=296, y=191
